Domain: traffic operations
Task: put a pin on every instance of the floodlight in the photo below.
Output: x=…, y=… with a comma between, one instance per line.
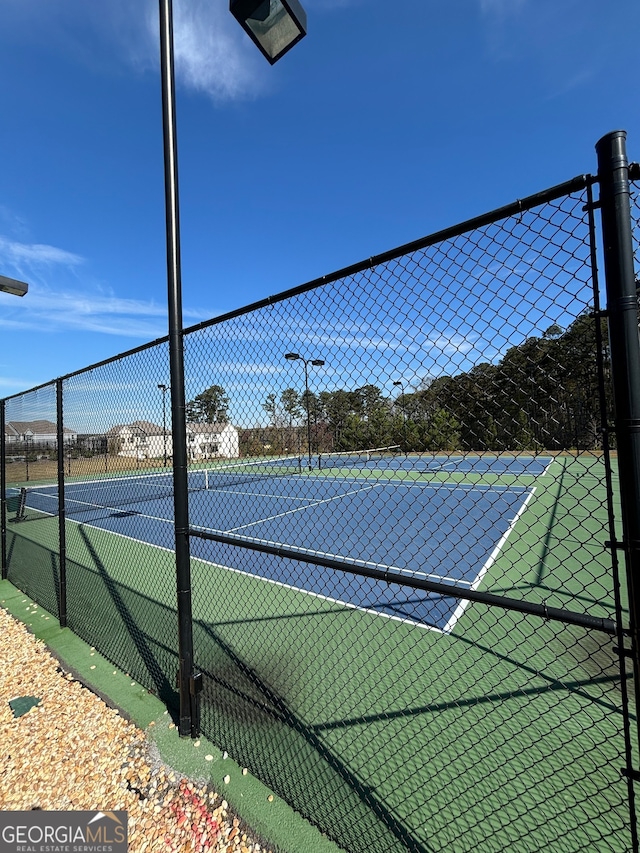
x=12, y=285
x=273, y=25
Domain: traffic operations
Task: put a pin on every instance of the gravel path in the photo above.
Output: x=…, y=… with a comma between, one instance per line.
x=73, y=752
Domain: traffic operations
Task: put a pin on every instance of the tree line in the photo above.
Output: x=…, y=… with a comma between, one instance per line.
x=543, y=394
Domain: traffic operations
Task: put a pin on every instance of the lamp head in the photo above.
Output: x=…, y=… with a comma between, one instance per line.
x=12, y=285
x=292, y=356
x=274, y=26
x=317, y=362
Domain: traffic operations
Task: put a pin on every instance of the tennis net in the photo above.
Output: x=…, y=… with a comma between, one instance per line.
x=113, y=492
x=354, y=458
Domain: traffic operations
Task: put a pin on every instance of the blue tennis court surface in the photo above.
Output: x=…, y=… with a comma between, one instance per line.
x=447, y=532
x=485, y=463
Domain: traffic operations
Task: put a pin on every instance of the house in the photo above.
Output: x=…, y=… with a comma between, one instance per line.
x=141, y=439
x=208, y=441
x=37, y=434
x=144, y=440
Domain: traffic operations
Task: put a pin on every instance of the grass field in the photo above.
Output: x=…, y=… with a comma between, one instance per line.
x=46, y=470
x=504, y=735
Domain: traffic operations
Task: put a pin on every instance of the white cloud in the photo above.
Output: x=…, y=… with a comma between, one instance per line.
x=57, y=310
x=210, y=54
x=23, y=256
x=60, y=300
x=60, y=312
x=10, y=383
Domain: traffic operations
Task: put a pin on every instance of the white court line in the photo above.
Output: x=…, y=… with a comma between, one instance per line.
x=551, y=461
x=309, y=551
x=396, y=570
x=92, y=506
x=338, y=601
x=255, y=577
x=301, y=508
x=113, y=509
x=487, y=565
x=250, y=494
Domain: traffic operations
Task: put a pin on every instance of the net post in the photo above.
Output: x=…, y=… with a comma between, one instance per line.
x=62, y=536
x=22, y=504
x=622, y=309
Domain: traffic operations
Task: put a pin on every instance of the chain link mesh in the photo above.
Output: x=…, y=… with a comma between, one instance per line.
x=635, y=225
x=365, y=457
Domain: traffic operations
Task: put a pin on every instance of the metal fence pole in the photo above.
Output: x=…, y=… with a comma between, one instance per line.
x=62, y=536
x=3, y=484
x=189, y=682
x=622, y=310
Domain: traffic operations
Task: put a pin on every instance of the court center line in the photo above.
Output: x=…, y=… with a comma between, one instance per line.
x=301, y=508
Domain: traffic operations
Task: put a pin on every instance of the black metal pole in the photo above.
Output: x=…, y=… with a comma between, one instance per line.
x=306, y=389
x=164, y=424
x=622, y=309
x=188, y=682
x=62, y=536
x=404, y=418
x=362, y=569
x=404, y=424
x=3, y=489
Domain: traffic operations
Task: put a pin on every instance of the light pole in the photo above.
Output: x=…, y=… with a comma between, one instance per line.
x=275, y=26
x=316, y=362
x=27, y=445
x=164, y=389
x=404, y=416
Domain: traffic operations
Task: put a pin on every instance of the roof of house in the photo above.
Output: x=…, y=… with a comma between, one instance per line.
x=145, y=427
x=148, y=428
x=208, y=429
x=40, y=427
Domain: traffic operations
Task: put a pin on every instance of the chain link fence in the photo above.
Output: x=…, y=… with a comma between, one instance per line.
x=400, y=493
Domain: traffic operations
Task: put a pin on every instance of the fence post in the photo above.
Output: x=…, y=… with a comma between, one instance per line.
x=62, y=536
x=3, y=488
x=622, y=311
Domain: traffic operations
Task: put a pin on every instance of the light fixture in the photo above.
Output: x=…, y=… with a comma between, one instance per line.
x=12, y=285
x=273, y=25
x=316, y=362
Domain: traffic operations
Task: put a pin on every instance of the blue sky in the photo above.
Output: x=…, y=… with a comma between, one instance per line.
x=388, y=122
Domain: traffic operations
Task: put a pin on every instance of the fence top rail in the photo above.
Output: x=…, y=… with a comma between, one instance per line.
x=580, y=182
x=575, y=184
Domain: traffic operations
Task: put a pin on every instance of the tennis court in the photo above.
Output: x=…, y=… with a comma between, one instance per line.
x=389, y=685
x=370, y=513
